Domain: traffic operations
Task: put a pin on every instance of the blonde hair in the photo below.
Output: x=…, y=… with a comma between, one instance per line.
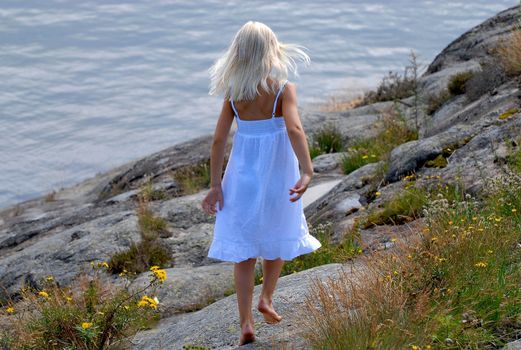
x=254, y=55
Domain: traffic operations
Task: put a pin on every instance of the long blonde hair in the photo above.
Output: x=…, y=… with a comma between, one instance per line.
x=254, y=55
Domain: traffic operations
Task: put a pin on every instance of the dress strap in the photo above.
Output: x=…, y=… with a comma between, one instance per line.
x=277, y=98
x=234, y=109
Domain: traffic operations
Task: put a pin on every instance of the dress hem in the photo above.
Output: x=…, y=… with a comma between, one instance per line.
x=286, y=250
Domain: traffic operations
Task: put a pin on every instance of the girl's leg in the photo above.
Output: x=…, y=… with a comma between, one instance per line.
x=244, y=282
x=271, y=272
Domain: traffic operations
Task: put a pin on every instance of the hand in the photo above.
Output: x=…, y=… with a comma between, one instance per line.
x=209, y=202
x=300, y=187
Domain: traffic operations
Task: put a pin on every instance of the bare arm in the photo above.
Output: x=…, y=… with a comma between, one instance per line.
x=297, y=137
x=220, y=138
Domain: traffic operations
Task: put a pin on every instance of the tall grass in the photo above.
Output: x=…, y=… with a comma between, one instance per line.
x=454, y=285
x=327, y=139
x=147, y=252
x=509, y=53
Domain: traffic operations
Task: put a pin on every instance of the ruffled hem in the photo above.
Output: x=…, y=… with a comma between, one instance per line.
x=286, y=250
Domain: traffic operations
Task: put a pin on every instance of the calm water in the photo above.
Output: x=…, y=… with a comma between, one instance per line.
x=89, y=85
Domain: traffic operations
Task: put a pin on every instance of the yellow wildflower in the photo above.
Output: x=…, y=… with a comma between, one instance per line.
x=86, y=325
x=480, y=264
x=393, y=239
x=474, y=218
x=434, y=239
x=409, y=256
x=126, y=307
x=377, y=193
x=160, y=274
x=498, y=219
x=10, y=310
x=415, y=347
x=105, y=264
x=49, y=278
x=514, y=210
x=69, y=299
x=43, y=294
x=373, y=155
x=155, y=267
x=490, y=251
x=147, y=301
x=451, y=222
x=365, y=157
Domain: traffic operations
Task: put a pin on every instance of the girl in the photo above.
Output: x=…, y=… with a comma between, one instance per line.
x=254, y=217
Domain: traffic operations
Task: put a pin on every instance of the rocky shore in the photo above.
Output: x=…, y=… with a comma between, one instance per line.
x=62, y=233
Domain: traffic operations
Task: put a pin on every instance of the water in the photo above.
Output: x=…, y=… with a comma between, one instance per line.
x=89, y=85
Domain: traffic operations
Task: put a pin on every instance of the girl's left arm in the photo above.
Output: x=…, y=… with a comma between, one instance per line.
x=220, y=138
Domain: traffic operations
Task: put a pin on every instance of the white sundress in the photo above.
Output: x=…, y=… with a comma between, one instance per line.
x=258, y=219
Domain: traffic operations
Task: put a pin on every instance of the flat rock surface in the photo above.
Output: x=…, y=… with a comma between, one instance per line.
x=217, y=325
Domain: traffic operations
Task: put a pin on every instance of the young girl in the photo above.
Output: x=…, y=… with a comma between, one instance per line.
x=256, y=217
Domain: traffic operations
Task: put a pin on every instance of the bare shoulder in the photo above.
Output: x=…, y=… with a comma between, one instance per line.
x=290, y=91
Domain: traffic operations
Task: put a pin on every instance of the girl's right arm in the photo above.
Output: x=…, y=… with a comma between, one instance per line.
x=298, y=140
x=220, y=138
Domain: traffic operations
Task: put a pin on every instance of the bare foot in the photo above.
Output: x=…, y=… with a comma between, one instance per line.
x=267, y=310
x=247, y=335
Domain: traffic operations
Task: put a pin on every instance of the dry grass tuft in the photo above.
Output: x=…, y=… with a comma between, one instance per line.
x=340, y=104
x=509, y=53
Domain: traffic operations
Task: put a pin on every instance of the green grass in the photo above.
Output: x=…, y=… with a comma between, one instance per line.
x=328, y=253
x=193, y=178
x=404, y=207
x=394, y=131
x=327, y=139
x=150, y=250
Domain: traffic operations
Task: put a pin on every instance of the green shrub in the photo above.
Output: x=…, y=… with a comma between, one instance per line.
x=327, y=139
x=437, y=100
x=150, y=250
x=457, y=82
x=90, y=315
x=393, y=86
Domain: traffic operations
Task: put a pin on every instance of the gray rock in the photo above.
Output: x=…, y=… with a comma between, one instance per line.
x=475, y=44
x=515, y=345
x=483, y=157
x=66, y=253
x=189, y=289
x=190, y=246
x=183, y=212
x=353, y=124
x=411, y=155
x=327, y=162
x=217, y=325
